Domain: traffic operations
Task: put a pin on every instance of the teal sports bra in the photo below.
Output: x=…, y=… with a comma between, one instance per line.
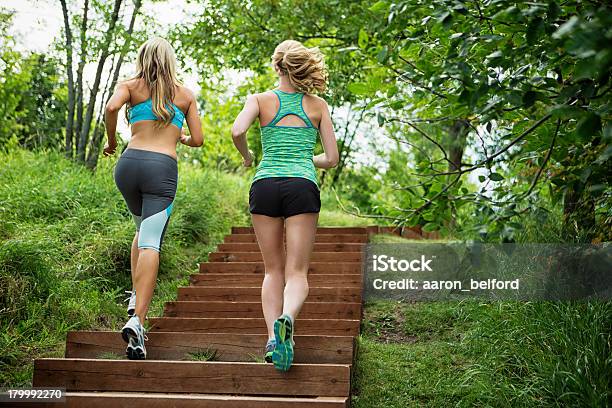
x=144, y=111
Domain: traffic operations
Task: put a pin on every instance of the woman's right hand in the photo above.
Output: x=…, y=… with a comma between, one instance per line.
x=109, y=149
x=248, y=162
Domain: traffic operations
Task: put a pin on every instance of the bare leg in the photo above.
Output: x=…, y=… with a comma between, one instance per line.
x=269, y=232
x=300, y=231
x=145, y=280
x=134, y=259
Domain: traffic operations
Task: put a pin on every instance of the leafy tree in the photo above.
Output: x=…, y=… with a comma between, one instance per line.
x=12, y=79
x=484, y=73
x=515, y=93
x=102, y=37
x=43, y=103
x=31, y=95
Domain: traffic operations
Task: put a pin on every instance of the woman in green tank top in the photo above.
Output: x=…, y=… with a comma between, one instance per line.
x=284, y=196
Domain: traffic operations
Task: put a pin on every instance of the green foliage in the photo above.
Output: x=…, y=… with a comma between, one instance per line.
x=32, y=95
x=221, y=99
x=243, y=35
x=491, y=65
x=515, y=93
x=65, y=249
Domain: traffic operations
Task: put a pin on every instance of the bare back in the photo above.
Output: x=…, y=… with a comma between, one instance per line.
x=145, y=135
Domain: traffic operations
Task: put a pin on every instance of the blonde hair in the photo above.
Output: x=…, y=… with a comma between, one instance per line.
x=304, y=66
x=156, y=65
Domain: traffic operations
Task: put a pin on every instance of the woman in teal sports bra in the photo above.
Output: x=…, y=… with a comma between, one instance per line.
x=284, y=195
x=146, y=174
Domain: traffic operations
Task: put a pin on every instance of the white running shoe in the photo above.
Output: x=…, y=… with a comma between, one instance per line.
x=133, y=334
x=131, y=302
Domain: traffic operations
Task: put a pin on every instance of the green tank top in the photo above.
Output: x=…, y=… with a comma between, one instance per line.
x=288, y=150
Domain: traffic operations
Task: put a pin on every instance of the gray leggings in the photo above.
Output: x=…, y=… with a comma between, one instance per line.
x=147, y=180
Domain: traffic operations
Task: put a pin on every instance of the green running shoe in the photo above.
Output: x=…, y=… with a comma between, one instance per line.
x=282, y=356
x=270, y=346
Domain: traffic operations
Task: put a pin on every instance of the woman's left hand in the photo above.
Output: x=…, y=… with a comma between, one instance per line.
x=185, y=140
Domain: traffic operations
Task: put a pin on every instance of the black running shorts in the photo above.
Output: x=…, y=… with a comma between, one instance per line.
x=284, y=197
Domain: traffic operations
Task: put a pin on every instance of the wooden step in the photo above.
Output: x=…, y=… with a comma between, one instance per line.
x=258, y=267
x=318, y=247
x=253, y=294
x=160, y=400
x=228, y=280
x=354, y=238
x=226, y=346
x=320, y=230
x=192, y=376
x=256, y=256
x=310, y=310
x=323, y=327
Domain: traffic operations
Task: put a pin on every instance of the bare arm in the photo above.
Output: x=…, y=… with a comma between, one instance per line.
x=196, y=138
x=243, y=122
x=330, y=158
x=111, y=113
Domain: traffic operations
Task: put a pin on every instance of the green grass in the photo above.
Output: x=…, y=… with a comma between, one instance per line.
x=65, y=249
x=332, y=215
x=507, y=354
x=203, y=355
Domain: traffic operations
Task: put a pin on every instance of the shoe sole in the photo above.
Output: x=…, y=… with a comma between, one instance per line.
x=268, y=357
x=132, y=353
x=282, y=356
x=135, y=353
x=128, y=333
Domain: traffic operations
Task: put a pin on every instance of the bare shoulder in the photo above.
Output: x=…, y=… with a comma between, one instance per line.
x=316, y=101
x=262, y=96
x=130, y=84
x=186, y=93
x=124, y=86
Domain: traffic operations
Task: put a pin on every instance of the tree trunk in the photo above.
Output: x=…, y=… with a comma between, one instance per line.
x=456, y=145
x=81, y=66
x=94, y=146
x=70, y=116
x=578, y=213
x=96, y=141
x=86, y=127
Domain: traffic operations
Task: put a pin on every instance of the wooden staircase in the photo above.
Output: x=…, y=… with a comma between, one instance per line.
x=218, y=317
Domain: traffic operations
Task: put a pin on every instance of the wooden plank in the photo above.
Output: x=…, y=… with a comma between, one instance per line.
x=258, y=267
x=320, y=230
x=253, y=294
x=354, y=238
x=310, y=310
x=318, y=247
x=226, y=346
x=250, y=279
x=256, y=256
x=192, y=376
x=324, y=327
x=165, y=400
